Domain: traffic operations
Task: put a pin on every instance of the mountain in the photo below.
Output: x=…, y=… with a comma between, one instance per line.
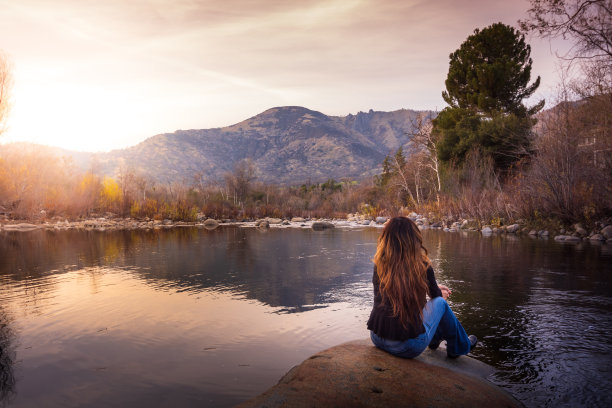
x=288, y=145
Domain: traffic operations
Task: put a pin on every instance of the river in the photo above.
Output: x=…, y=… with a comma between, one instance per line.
x=190, y=317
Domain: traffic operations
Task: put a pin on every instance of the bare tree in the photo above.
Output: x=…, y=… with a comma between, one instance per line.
x=587, y=22
x=239, y=180
x=6, y=85
x=424, y=139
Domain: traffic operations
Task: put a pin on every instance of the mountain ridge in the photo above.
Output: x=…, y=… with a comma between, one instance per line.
x=287, y=144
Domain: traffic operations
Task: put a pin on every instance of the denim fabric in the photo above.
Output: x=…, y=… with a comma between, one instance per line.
x=440, y=324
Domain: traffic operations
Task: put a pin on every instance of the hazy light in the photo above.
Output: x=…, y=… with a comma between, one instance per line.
x=102, y=75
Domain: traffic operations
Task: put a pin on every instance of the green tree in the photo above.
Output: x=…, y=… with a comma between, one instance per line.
x=383, y=179
x=488, y=79
x=400, y=159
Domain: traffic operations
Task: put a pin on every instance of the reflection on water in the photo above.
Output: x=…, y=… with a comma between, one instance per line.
x=7, y=358
x=188, y=317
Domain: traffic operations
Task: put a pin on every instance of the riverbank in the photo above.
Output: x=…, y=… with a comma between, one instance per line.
x=600, y=232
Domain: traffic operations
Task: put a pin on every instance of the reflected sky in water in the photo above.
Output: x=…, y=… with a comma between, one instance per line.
x=189, y=317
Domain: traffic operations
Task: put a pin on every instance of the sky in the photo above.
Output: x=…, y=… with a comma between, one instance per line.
x=96, y=75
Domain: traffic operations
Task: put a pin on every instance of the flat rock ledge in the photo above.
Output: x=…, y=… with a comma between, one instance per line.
x=357, y=374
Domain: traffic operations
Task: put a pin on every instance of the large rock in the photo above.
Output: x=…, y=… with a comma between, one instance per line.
x=512, y=228
x=262, y=224
x=607, y=232
x=322, y=225
x=274, y=220
x=20, y=227
x=486, y=230
x=567, y=238
x=297, y=219
x=580, y=229
x=211, y=223
x=357, y=374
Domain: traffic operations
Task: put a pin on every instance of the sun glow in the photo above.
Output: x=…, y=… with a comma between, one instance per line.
x=74, y=116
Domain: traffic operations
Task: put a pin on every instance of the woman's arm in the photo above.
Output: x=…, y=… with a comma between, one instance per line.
x=434, y=289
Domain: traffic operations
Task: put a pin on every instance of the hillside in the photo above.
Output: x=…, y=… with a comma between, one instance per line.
x=287, y=144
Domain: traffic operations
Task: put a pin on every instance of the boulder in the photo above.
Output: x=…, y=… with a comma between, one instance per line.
x=381, y=220
x=297, y=219
x=365, y=222
x=533, y=233
x=262, y=224
x=580, y=229
x=513, y=229
x=607, y=232
x=285, y=222
x=436, y=224
x=543, y=233
x=20, y=227
x=211, y=223
x=357, y=374
x=567, y=238
x=486, y=231
x=597, y=237
x=323, y=225
x=274, y=220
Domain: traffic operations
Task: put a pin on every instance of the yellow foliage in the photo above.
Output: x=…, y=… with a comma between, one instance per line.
x=135, y=210
x=88, y=183
x=110, y=196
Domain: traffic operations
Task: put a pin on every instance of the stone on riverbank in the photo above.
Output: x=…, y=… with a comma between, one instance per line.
x=20, y=227
x=322, y=225
x=211, y=223
x=262, y=224
x=580, y=229
x=567, y=238
x=274, y=221
x=297, y=219
x=357, y=374
x=513, y=229
x=607, y=232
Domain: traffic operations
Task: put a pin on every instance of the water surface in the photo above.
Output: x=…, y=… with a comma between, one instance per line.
x=190, y=317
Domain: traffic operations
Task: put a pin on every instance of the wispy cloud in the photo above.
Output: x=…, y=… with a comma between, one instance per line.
x=204, y=63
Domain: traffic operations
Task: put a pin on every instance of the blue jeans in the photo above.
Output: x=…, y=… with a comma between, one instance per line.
x=440, y=324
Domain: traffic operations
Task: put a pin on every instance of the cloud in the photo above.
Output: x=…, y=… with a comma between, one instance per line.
x=197, y=63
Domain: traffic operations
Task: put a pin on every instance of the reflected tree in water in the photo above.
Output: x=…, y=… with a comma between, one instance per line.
x=7, y=359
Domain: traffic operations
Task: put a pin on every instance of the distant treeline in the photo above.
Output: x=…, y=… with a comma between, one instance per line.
x=567, y=178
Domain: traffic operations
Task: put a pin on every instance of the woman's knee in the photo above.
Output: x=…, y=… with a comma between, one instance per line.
x=439, y=302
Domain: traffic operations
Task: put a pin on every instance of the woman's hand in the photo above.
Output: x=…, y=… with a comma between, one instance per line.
x=446, y=292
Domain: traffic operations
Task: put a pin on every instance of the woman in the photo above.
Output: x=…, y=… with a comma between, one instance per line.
x=402, y=321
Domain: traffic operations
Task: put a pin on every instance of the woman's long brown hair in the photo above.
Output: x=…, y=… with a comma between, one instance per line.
x=401, y=264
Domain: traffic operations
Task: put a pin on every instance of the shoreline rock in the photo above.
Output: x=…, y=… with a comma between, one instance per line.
x=357, y=374
x=601, y=234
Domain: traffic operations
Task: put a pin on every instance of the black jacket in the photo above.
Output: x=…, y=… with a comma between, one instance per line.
x=384, y=324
